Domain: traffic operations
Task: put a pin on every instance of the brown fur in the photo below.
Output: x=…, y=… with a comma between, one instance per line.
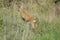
x=27, y=17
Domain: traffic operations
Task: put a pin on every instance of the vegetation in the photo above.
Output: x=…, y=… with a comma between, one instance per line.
x=46, y=13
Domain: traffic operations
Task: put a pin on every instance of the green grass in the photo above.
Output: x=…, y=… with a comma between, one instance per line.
x=12, y=27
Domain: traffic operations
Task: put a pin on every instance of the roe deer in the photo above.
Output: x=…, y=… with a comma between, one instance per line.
x=27, y=17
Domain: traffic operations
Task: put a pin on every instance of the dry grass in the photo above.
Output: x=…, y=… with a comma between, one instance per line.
x=14, y=28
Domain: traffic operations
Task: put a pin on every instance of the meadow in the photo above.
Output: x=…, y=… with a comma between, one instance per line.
x=12, y=27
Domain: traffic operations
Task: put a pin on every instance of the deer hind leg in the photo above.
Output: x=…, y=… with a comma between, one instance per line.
x=33, y=25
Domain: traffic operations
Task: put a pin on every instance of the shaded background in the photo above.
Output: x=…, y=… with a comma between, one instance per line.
x=46, y=13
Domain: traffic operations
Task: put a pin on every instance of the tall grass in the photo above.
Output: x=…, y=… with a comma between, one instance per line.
x=12, y=27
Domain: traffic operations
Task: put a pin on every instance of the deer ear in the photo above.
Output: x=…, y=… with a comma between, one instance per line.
x=21, y=6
